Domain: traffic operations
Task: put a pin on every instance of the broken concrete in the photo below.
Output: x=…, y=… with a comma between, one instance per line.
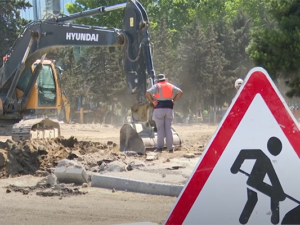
x=189, y=155
x=62, y=192
x=46, y=190
x=115, y=166
x=151, y=156
x=68, y=171
x=71, y=175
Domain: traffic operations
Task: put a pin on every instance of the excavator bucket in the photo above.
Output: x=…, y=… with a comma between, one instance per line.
x=41, y=128
x=139, y=138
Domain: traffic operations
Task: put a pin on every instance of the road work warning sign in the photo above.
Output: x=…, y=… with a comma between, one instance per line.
x=249, y=172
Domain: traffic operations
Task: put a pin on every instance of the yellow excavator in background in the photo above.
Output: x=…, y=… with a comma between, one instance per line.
x=47, y=96
x=30, y=90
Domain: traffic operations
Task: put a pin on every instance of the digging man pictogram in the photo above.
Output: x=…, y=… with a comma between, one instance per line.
x=262, y=167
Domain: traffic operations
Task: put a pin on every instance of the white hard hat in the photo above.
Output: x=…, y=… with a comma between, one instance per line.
x=238, y=83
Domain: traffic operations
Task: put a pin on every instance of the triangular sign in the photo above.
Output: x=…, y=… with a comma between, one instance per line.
x=258, y=138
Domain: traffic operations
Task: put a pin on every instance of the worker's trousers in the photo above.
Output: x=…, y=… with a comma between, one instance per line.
x=163, y=119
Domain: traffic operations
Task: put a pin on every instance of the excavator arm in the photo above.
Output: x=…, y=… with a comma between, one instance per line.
x=39, y=37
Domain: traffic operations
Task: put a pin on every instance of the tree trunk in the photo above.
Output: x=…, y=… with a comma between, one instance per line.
x=197, y=108
x=215, y=107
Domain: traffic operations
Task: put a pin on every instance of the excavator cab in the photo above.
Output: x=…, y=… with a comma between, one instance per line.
x=46, y=105
x=46, y=98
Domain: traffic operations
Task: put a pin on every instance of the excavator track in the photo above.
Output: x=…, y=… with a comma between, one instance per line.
x=41, y=128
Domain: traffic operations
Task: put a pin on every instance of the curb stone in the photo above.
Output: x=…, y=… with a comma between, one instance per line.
x=138, y=186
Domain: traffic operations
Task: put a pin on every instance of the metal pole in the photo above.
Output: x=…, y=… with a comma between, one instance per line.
x=34, y=4
x=91, y=12
x=115, y=7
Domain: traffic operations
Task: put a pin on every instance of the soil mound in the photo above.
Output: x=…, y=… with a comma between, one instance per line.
x=26, y=157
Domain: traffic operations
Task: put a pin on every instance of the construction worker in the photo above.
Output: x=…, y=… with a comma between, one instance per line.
x=163, y=96
x=238, y=83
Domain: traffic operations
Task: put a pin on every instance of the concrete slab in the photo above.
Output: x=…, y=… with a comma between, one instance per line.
x=71, y=175
x=138, y=186
x=158, y=176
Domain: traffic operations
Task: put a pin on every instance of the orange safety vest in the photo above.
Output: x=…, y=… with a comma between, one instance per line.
x=166, y=89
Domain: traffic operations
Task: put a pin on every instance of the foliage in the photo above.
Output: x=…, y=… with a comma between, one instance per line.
x=215, y=10
x=108, y=19
x=176, y=15
x=277, y=47
x=11, y=23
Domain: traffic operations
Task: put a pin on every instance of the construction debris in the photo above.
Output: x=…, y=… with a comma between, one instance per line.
x=48, y=186
x=68, y=171
x=39, y=157
x=47, y=191
x=115, y=166
x=189, y=155
x=151, y=156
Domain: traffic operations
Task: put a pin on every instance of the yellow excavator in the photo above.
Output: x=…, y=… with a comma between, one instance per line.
x=47, y=96
x=30, y=90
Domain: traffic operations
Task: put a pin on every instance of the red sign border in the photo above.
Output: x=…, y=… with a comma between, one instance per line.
x=257, y=81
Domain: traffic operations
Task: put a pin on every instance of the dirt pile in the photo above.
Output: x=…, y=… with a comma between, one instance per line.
x=30, y=156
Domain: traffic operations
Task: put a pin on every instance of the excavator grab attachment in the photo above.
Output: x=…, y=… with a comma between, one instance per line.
x=139, y=138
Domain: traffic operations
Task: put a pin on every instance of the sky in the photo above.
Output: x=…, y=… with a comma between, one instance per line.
x=28, y=14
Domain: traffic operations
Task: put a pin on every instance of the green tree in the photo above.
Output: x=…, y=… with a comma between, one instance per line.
x=190, y=63
x=163, y=51
x=109, y=19
x=214, y=67
x=176, y=14
x=10, y=23
x=234, y=37
x=277, y=47
x=201, y=62
x=212, y=11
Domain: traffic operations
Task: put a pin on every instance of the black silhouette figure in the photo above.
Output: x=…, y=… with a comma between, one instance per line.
x=292, y=217
x=261, y=168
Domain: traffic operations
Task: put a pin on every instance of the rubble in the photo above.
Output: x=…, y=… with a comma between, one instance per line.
x=45, y=189
x=46, y=157
x=151, y=156
x=42, y=173
x=68, y=171
x=63, y=192
x=115, y=166
x=189, y=155
x=85, y=185
x=198, y=153
x=39, y=157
